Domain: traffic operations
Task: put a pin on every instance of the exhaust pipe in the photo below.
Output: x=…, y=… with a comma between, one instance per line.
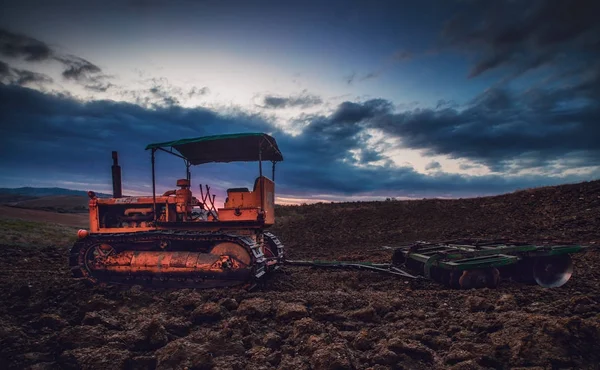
x=116, y=176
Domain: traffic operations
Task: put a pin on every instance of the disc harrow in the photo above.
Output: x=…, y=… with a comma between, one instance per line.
x=475, y=264
x=466, y=264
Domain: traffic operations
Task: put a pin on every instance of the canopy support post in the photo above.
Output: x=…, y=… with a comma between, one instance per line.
x=188, y=175
x=273, y=171
x=153, y=187
x=262, y=204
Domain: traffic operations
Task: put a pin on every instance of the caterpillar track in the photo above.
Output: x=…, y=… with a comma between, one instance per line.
x=169, y=258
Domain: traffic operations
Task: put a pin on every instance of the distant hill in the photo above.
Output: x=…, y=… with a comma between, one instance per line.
x=55, y=203
x=44, y=192
x=59, y=200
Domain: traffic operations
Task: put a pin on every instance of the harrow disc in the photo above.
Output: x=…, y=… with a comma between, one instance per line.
x=553, y=271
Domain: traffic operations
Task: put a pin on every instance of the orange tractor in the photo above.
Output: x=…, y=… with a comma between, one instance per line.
x=176, y=239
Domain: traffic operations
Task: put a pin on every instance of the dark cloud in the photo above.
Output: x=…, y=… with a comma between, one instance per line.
x=354, y=77
x=9, y=75
x=17, y=45
x=164, y=96
x=25, y=77
x=525, y=35
x=4, y=69
x=160, y=93
x=76, y=68
x=198, y=91
x=397, y=57
x=370, y=155
x=349, y=112
x=433, y=165
x=84, y=72
x=99, y=86
x=59, y=137
x=499, y=128
x=304, y=100
x=55, y=138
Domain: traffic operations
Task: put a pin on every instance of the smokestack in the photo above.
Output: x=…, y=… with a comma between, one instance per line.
x=116, y=176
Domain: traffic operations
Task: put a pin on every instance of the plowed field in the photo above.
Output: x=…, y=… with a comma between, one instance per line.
x=306, y=318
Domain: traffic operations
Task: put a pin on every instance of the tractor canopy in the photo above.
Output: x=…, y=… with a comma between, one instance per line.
x=243, y=147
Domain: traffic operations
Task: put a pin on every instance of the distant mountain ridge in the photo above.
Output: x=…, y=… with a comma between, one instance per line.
x=44, y=192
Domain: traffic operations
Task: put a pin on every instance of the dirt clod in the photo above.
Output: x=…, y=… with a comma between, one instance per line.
x=333, y=357
x=288, y=311
x=181, y=354
x=208, y=312
x=476, y=304
x=254, y=307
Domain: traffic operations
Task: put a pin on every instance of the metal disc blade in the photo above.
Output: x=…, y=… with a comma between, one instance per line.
x=553, y=271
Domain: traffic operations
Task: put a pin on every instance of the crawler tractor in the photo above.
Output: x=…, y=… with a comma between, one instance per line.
x=176, y=239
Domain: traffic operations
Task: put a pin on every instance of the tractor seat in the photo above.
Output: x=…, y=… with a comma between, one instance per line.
x=238, y=190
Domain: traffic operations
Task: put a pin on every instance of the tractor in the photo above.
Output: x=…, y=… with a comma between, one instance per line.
x=176, y=239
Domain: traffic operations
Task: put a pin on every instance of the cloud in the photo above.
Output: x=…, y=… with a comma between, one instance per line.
x=17, y=45
x=78, y=68
x=25, y=77
x=33, y=50
x=21, y=77
x=433, y=165
x=159, y=92
x=4, y=69
x=399, y=56
x=523, y=35
x=500, y=128
x=354, y=77
x=303, y=100
x=465, y=166
x=85, y=72
x=198, y=91
x=60, y=137
x=349, y=112
x=50, y=138
x=99, y=86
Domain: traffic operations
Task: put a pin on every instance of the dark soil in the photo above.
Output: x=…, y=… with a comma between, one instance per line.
x=306, y=318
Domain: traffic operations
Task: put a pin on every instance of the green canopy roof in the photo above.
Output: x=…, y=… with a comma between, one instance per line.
x=243, y=147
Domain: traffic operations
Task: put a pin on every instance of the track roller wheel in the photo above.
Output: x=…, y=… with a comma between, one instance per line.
x=552, y=271
x=85, y=257
x=483, y=278
x=239, y=255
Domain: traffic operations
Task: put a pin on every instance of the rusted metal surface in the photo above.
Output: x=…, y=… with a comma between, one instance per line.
x=218, y=259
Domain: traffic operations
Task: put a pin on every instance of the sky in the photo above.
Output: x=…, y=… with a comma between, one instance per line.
x=366, y=99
